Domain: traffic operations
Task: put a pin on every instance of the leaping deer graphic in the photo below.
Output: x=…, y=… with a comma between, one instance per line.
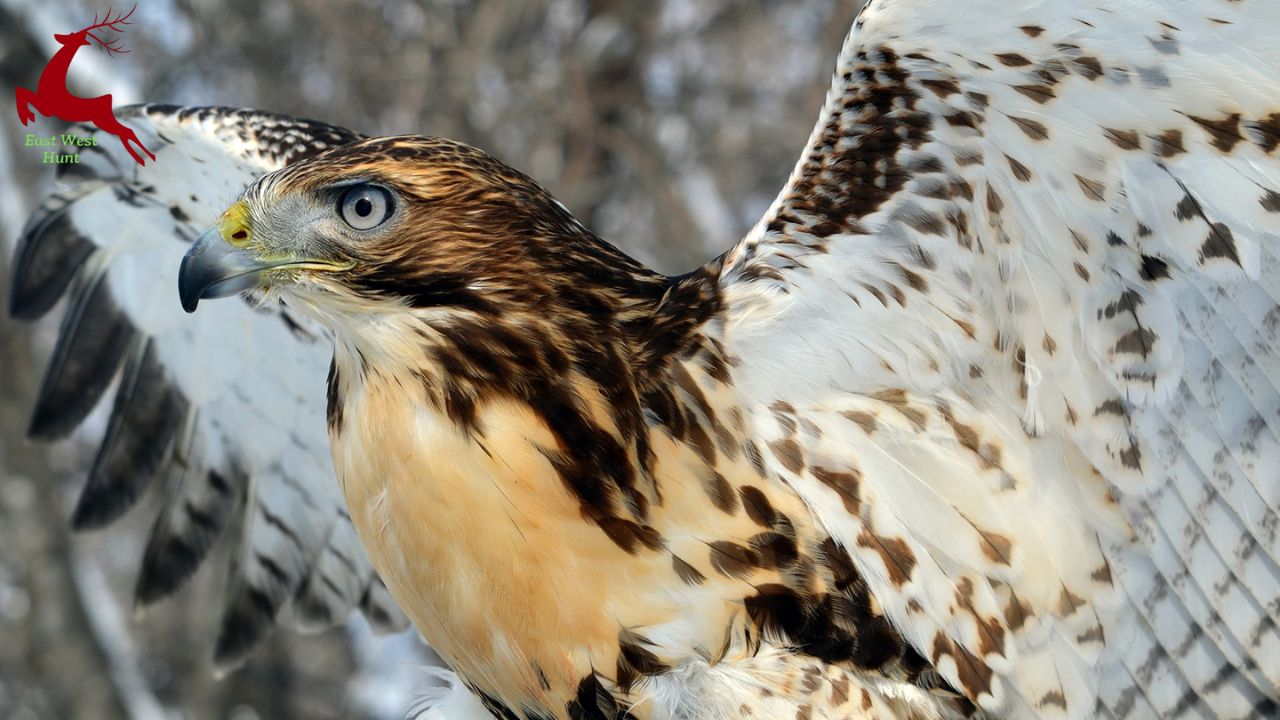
x=53, y=98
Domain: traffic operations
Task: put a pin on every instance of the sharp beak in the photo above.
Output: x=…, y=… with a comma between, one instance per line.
x=222, y=263
x=212, y=268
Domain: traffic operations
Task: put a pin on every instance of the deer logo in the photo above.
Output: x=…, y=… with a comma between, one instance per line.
x=52, y=98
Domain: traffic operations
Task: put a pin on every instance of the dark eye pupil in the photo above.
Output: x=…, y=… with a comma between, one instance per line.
x=364, y=207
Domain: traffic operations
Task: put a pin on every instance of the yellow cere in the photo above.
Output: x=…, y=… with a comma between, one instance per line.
x=234, y=225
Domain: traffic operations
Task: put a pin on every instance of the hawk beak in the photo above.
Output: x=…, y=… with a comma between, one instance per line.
x=213, y=268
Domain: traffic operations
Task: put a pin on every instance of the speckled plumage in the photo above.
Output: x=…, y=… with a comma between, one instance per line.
x=980, y=419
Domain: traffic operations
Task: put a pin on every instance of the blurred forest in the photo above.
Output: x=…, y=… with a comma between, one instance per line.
x=666, y=125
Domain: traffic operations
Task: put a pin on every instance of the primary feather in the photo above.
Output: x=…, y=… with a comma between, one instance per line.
x=233, y=431
x=982, y=417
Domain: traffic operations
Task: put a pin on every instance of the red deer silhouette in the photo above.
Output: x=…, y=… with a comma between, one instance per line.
x=53, y=98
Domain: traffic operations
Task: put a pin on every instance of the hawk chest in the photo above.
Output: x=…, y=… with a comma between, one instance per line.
x=529, y=597
x=481, y=544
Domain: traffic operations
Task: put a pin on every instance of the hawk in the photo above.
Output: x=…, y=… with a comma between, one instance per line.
x=980, y=420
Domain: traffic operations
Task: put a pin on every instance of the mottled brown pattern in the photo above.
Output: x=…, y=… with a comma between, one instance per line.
x=843, y=182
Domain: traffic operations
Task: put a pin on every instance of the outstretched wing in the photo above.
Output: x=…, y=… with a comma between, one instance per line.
x=225, y=408
x=1022, y=294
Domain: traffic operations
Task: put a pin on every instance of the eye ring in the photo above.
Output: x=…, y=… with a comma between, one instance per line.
x=365, y=207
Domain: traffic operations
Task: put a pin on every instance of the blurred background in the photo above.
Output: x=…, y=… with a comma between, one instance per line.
x=666, y=125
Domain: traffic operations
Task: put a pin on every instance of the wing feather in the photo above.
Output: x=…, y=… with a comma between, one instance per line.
x=1036, y=258
x=226, y=406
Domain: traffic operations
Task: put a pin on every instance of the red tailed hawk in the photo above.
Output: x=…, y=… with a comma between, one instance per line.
x=981, y=419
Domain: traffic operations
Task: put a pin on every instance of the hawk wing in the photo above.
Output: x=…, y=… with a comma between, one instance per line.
x=225, y=408
x=1011, y=330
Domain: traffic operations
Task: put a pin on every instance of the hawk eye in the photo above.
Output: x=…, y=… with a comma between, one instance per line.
x=365, y=207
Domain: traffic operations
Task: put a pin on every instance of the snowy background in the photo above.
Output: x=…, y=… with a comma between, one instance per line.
x=666, y=125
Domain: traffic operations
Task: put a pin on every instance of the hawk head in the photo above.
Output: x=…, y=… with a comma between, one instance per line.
x=401, y=223
x=438, y=260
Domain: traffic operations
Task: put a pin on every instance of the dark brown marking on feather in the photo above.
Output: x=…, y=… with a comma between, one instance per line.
x=915, y=280
x=757, y=505
x=497, y=709
x=1012, y=59
x=752, y=452
x=1092, y=189
x=1136, y=342
x=543, y=681
x=1111, y=406
x=865, y=420
x=1270, y=201
x=1170, y=144
x=1131, y=457
x=636, y=660
x=943, y=88
x=1089, y=67
x=1016, y=612
x=966, y=327
x=990, y=633
x=721, y=493
x=994, y=203
x=686, y=572
x=1187, y=208
x=834, y=627
x=701, y=442
x=1039, y=93
x=788, y=452
x=1020, y=171
x=897, y=556
x=845, y=485
x=1221, y=243
x=998, y=548
x=840, y=690
x=924, y=222
x=714, y=363
x=1053, y=698
x=974, y=675
x=775, y=550
x=784, y=413
x=1224, y=132
x=1153, y=268
x=1267, y=131
x=1094, y=634
x=1102, y=574
x=334, y=404
x=630, y=536
x=594, y=702
x=1033, y=129
x=1032, y=31
x=1124, y=139
x=733, y=560
x=1068, y=603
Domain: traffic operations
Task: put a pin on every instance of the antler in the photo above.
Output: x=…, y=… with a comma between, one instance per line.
x=113, y=45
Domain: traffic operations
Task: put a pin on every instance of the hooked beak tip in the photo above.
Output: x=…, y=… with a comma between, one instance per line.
x=213, y=269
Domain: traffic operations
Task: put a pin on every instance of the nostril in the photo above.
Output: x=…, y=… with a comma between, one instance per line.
x=240, y=235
